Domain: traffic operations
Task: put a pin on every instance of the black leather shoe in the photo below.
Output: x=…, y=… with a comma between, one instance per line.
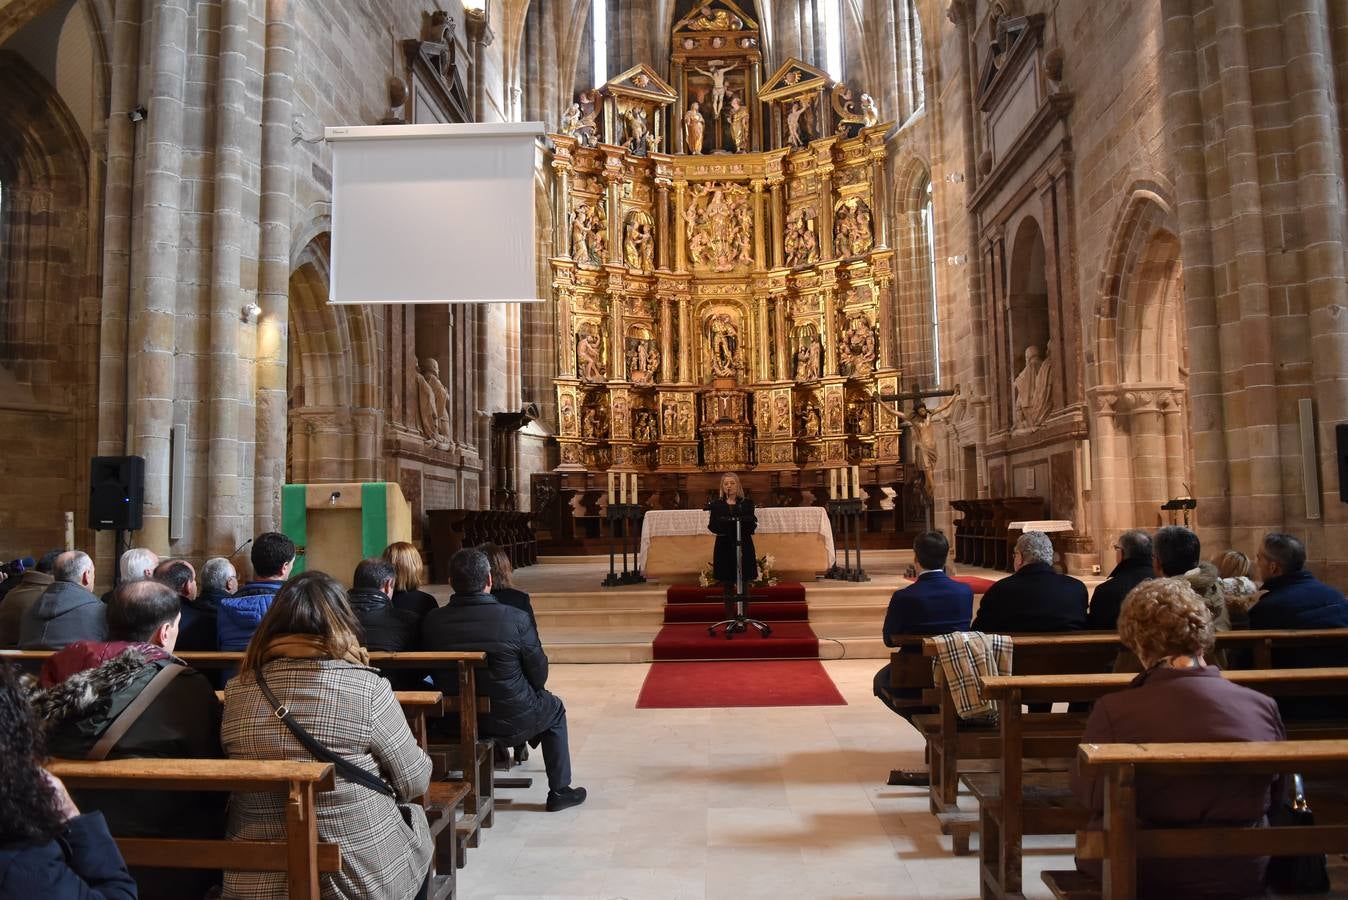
x=566, y=798
x=521, y=753
x=910, y=779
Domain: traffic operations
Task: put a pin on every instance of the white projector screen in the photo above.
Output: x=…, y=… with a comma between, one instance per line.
x=433, y=213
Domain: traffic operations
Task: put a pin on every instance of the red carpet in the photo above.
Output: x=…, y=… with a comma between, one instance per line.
x=697, y=685
x=690, y=609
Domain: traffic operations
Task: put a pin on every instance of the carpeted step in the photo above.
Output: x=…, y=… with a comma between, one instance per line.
x=785, y=592
x=789, y=640
x=699, y=685
x=766, y=610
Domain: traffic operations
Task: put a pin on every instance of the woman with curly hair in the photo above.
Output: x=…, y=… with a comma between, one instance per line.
x=47, y=848
x=1181, y=698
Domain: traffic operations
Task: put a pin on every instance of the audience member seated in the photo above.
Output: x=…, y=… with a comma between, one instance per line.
x=1235, y=568
x=1175, y=551
x=522, y=710
x=1294, y=599
x=502, y=585
x=933, y=604
x=218, y=581
x=385, y=627
x=273, y=556
x=1034, y=599
x=23, y=595
x=1134, y=566
x=86, y=691
x=197, y=631
x=48, y=849
x=136, y=564
x=67, y=611
x=306, y=656
x=1180, y=698
x=12, y=573
x=407, y=581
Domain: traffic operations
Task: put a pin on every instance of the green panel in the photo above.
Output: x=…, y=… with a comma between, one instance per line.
x=295, y=519
x=373, y=518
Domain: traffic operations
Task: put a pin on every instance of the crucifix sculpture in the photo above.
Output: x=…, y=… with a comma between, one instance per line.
x=924, y=438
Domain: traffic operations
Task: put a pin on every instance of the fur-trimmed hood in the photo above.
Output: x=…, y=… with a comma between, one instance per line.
x=89, y=693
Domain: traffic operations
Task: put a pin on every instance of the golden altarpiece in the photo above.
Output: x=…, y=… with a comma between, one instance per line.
x=722, y=270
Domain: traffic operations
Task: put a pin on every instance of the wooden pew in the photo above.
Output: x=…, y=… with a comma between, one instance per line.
x=1121, y=842
x=300, y=855
x=1018, y=799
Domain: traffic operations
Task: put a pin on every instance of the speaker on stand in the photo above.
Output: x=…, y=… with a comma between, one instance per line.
x=116, y=499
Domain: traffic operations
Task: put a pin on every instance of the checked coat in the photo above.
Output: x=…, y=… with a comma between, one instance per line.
x=352, y=710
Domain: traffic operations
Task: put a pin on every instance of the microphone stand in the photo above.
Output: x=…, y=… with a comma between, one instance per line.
x=740, y=622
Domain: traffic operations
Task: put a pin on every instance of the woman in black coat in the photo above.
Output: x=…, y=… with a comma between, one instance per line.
x=725, y=509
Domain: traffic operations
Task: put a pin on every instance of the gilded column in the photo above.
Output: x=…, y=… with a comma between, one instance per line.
x=667, y=364
x=880, y=198
x=562, y=212
x=760, y=255
x=764, y=347
x=826, y=212
x=566, y=347
x=680, y=246
x=613, y=181
x=779, y=338
x=830, y=331
x=778, y=217
x=617, y=351
x=662, y=234
x=888, y=321
x=685, y=349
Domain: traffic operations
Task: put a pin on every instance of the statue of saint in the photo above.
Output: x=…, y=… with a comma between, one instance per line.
x=795, y=136
x=639, y=246
x=638, y=134
x=571, y=120
x=722, y=340
x=1032, y=390
x=590, y=357
x=580, y=234
x=1043, y=387
x=739, y=125
x=433, y=405
x=694, y=127
x=716, y=70
x=709, y=19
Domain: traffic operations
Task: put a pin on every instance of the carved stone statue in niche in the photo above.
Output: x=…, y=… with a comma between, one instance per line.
x=588, y=106
x=781, y=412
x=589, y=234
x=639, y=242
x=709, y=19
x=800, y=243
x=857, y=347
x=720, y=226
x=1033, y=390
x=834, y=413
x=808, y=355
x=739, y=124
x=716, y=70
x=638, y=130
x=798, y=118
x=433, y=405
x=723, y=343
x=685, y=422
x=694, y=127
x=667, y=414
x=590, y=357
x=568, y=415
x=810, y=420
x=595, y=420
x=643, y=426
x=643, y=360
x=852, y=228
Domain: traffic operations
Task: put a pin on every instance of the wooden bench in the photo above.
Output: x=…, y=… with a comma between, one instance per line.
x=1121, y=843
x=1020, y=799
x=300, y=854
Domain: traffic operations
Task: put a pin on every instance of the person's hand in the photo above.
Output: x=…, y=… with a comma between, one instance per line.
x=64, y=805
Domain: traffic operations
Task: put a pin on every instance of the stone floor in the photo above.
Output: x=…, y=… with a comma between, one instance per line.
x=736, y=804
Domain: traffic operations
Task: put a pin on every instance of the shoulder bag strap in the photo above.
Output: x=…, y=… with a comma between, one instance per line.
x=122, y=724
x=345, y=768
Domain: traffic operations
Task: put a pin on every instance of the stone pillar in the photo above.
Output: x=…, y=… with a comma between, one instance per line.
x=1106, y=470
x=273, y=294
x=662, y=235
x=680, y=243
x=667, y=362
x=480, y=37
x=222, y=450
x=760, y=255
x=685, y=345
x=1171, y=404
x=778, y=223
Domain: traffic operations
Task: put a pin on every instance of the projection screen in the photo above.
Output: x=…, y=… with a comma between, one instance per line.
x=433, y=213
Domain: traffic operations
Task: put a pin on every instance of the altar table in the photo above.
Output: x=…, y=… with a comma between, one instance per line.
x=676, y=545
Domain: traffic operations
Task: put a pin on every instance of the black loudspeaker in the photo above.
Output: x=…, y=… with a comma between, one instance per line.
x=1341, y=448
x=116, y=493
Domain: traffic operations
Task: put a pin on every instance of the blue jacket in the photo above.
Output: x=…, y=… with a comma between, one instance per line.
x=1298, y=601
x=94, y=869
x=934, y=604
x=240, y=615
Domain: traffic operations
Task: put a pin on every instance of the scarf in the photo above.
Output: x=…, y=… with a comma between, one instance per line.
x=311, y=646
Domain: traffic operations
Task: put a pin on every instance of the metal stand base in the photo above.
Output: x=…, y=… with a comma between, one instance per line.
x=739, y=623
x=624, y=514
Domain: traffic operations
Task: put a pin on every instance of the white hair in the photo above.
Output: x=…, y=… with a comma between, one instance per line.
x=136, y=561
x=215, y=574
x=71, y=566
x=1034, y=546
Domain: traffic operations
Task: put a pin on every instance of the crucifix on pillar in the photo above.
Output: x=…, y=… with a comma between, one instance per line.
x=924, y=438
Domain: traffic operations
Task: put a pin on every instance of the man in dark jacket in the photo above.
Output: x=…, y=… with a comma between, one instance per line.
x=218, y=580
x=197, y=630
x=89, y=685
x=67, y=611
x=1296, y=600
x=31, y=585
x=517, y=670
x=386, y=628
x=933, y=604
x=273, y=556
x=1035, y=599
x=1134, y=566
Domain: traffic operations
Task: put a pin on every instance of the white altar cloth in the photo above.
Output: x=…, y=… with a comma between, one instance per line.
x=771, y=520
x=1047, y=526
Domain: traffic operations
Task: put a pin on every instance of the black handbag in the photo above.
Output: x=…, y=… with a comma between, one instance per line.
x=1307, y=874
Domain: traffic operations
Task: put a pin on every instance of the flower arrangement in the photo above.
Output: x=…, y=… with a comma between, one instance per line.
x=767, y=575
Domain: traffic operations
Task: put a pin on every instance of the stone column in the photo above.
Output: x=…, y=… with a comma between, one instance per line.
x=1149, y=445
x=667, y=363
x=760, y=256
x=685, y=345
x=1172, y=415
x=273, y=294
x=1106, y=469
x=680, y=243
x=155, y=301
x=662, y=235
x=480, y=37
x=778, y=223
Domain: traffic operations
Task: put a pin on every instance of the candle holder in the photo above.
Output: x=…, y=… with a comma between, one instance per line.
x=622, y=515
x=847, y=513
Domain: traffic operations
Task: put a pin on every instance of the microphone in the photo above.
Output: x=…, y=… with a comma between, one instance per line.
x=240, y=547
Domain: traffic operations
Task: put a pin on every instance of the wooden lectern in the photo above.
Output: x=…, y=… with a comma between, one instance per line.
x=335, y=526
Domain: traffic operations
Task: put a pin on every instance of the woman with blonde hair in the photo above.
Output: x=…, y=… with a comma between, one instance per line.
x=729, y=506
x=1240, y=592
x=1181, y=698
x=407, y=580
x=307, y=692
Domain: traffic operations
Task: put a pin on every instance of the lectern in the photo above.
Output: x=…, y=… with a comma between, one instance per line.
x=335, y=526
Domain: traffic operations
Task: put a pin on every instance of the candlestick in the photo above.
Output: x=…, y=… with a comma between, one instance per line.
x=634, y=488
x=856, y=482
x=833, y=484
x=610, y=488
x=70, y=531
